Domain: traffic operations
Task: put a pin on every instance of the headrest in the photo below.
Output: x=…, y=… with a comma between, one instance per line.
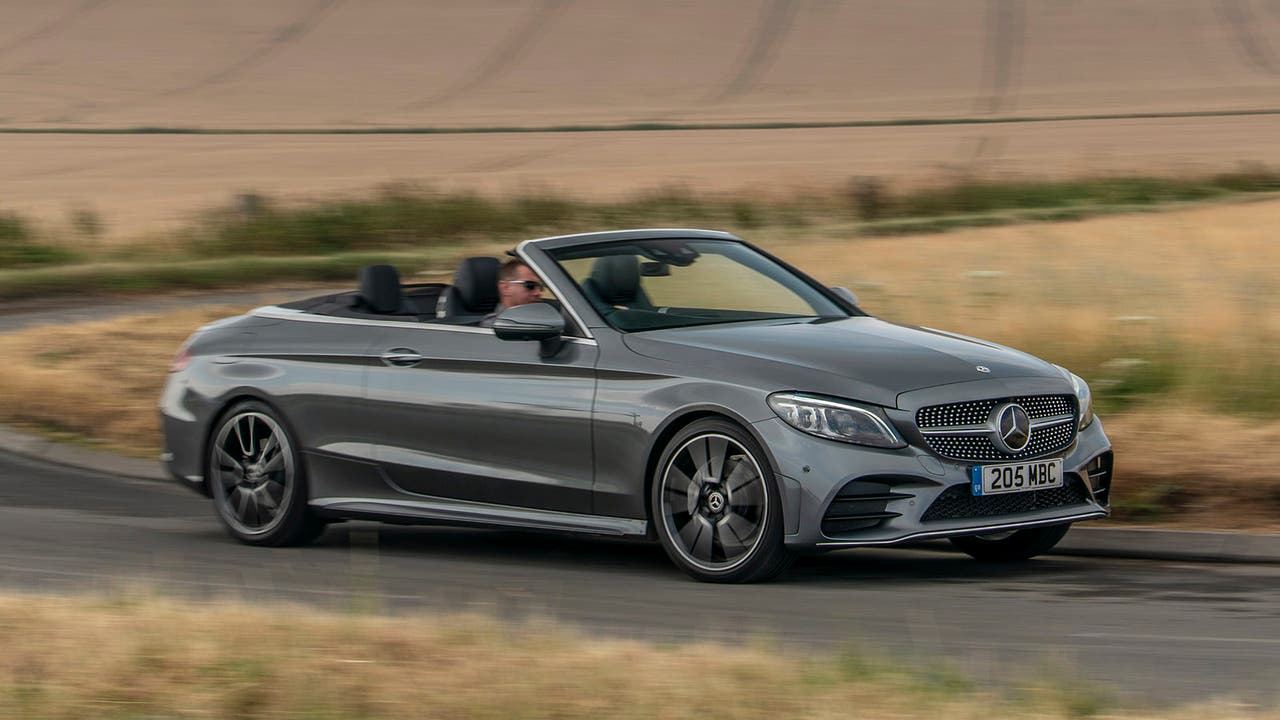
x=617, y=278
x=476, y=283
x=380, y=288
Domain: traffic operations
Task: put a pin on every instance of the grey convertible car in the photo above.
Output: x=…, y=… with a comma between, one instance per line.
x=681, y=385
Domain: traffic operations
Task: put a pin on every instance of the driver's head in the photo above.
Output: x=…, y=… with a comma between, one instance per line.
x=517, y=285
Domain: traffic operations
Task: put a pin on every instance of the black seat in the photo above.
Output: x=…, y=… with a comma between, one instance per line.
x=380, y=291
x=474, y=293
x=615, y=283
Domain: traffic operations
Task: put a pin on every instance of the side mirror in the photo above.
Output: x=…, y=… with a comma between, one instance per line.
x=846, y=294
x=533, y=321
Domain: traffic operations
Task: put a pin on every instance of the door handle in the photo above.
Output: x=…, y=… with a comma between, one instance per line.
x=401, y=357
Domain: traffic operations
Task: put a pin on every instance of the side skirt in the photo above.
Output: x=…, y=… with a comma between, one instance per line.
x=458, y=512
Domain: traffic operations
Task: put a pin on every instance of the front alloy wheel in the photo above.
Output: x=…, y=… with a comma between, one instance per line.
x=716, y=507
x=256, y=481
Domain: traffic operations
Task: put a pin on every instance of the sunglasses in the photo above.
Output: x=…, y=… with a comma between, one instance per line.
x=529, y=285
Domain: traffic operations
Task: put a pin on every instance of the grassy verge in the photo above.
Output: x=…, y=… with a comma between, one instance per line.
x=35, y=262
x=20, y=248
x=139, y=657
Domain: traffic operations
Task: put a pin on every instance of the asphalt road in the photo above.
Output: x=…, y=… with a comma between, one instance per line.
x=1158, y=631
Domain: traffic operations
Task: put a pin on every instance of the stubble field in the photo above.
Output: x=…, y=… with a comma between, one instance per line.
x=92, y=66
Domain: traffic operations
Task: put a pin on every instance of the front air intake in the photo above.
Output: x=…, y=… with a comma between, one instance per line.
x=958, y=502
x=860, y=505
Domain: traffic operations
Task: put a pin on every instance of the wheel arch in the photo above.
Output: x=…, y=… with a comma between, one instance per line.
x=678, y=421
x=225, y=406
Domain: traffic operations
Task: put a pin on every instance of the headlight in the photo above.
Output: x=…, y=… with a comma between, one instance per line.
x=836, y=419
x=1083, y=396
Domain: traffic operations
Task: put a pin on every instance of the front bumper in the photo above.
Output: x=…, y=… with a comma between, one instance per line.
x=905, y=483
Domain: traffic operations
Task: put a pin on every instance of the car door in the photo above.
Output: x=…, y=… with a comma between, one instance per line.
x=313, y=369
x=467, y=416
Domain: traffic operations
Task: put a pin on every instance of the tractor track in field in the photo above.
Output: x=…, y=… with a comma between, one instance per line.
x=774, y=22
x=523, y=37
x=285, y=35
x=53, y=26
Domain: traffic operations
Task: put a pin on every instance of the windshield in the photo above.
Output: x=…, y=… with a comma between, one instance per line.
x=650, y=284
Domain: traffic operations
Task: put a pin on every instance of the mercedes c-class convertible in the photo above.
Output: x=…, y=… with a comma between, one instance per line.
x=679, y=385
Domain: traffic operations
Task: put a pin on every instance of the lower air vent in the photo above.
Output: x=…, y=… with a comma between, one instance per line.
x=1099, y=472
x=860, y=505
x=958, y=503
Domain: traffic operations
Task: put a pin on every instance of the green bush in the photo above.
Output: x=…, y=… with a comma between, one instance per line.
x=404, y=217
x=985, y=197
x=19, y=248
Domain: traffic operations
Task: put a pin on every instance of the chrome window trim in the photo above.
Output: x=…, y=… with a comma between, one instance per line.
x=278, y=313
x=564, y=301
x=520, y=251
x=692, y=231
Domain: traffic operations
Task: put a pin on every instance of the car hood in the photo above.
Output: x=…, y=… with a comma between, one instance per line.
x=862, y=358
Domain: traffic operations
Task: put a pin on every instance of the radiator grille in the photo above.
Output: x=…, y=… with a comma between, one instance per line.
x=980, y=447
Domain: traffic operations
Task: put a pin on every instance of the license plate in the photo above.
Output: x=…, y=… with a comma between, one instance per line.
x=1015, y=477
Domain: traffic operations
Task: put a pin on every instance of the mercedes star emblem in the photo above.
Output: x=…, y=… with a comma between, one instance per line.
x=1011, y=427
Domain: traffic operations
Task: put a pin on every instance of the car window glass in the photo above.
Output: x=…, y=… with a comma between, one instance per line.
x=650, y=284
x=716, y=282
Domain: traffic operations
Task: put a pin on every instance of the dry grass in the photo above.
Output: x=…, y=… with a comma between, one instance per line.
x=134, y=656
x=1191, y=295
x=97, y=381
x=1202, y=275
x=1165, y=476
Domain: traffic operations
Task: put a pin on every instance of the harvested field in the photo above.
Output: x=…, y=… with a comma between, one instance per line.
x=143, y=183
x=297, y=63
x=400, y=63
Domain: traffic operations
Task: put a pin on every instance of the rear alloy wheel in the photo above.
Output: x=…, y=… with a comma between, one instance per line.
x=256, y=480
x=1011, y=546
x=716, y=507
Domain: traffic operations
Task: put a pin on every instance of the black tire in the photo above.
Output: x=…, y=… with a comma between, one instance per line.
x=1011, y=547
x=714, y=478
x=255, y=475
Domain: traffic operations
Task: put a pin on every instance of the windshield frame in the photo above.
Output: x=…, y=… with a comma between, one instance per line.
x=557, y=253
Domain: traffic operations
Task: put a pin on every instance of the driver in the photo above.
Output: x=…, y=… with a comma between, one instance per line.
x=517, y=285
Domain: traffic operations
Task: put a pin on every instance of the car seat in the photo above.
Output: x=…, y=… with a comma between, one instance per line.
x=474, y=293
x=615, y=283
x=380, y=291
